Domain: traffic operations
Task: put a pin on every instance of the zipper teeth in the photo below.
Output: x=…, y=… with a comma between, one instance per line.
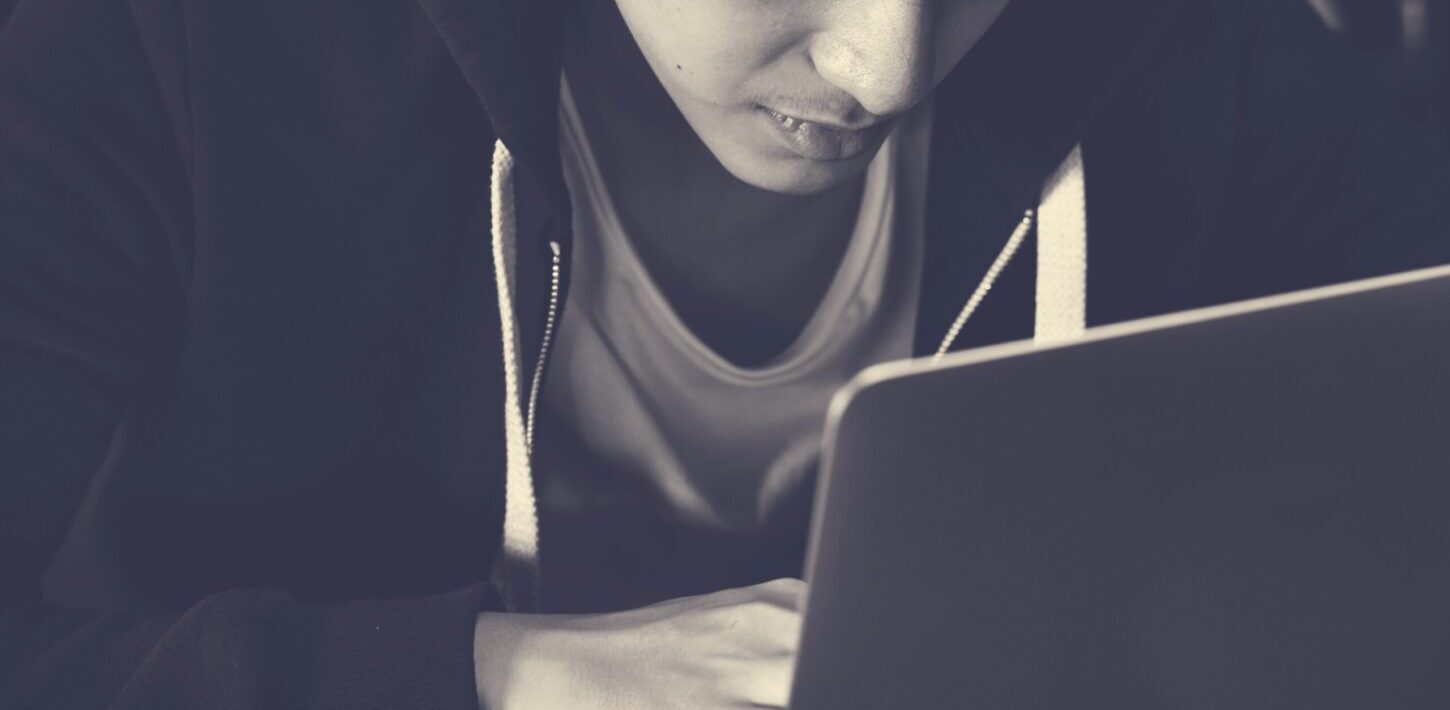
x=1003, y=258
x=544, y=349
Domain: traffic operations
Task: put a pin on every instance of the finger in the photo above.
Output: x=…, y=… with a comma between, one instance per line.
x=787, y=633
x=755, y=630
x=767, y=683
x=787, y=592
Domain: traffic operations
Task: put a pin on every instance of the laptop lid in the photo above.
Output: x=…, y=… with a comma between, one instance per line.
x=1246, y=506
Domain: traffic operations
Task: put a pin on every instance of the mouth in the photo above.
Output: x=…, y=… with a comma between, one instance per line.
x=815, y=140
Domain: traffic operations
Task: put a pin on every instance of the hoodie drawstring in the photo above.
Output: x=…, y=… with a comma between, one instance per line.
x=1061, y=307
x=516, y=570
x=1061, y=260
x=1062, y=254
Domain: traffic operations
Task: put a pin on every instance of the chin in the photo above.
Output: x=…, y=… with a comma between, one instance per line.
x=793, y=175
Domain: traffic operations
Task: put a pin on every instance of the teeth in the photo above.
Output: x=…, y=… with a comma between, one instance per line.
x=787, y=121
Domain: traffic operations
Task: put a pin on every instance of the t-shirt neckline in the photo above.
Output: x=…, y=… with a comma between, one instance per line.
x=871, y=232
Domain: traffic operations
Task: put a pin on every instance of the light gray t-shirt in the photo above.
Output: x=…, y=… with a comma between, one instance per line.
x=668, y=470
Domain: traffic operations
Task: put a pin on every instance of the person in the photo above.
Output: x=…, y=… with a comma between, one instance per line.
x=335, y=338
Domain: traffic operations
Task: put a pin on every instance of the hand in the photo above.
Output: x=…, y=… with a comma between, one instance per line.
x=730, y=649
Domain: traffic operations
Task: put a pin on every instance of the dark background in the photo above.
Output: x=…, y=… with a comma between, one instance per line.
x=1408, y=41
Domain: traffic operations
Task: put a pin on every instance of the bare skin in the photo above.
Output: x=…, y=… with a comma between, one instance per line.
x=731, y=649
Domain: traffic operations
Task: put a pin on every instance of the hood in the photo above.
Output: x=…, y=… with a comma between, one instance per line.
x=510, y=53
x=1027, y=93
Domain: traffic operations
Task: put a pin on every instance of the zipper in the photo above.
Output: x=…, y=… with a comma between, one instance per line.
x=548, y=341
x=1004, y=257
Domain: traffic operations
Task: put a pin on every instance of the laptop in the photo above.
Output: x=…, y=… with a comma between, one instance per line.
x=1246, y=506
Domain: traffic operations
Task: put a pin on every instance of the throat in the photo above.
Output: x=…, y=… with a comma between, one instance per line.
x=743, y=268
x=745, y=277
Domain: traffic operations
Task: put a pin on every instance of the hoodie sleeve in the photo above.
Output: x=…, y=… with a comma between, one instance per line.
x=1334, y=181
x=94, y=227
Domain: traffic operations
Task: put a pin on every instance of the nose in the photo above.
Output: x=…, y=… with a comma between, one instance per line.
x=880, y=51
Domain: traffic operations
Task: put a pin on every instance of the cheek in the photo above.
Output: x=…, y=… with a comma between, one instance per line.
x=690, y=52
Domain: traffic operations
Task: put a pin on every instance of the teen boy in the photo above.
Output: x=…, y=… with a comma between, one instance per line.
x=315, y=316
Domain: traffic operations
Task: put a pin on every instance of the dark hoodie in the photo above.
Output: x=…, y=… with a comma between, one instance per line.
x=251, y=383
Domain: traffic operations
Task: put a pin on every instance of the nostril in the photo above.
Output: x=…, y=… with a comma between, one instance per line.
x=888, y=89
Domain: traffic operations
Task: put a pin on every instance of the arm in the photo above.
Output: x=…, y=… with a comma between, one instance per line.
x=94, y=220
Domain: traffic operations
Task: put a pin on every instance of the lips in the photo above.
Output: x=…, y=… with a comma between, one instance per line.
x=818, y=141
